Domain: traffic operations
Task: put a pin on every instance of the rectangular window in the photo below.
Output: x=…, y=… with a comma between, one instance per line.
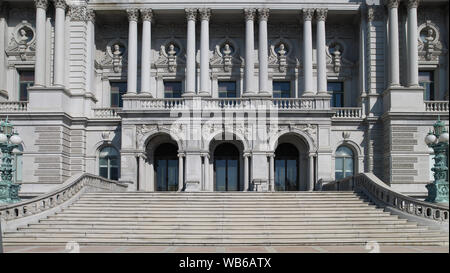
x=281, y=89
x=336, y=90
x=117, y=91
x=172, y=89
x=227, y=89
x=26, y=80
x=426, y=80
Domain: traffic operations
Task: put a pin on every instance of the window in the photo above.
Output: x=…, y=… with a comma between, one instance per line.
x=172, y=89
x=344, y=162
x=227, y=89
x=26, y=80
x=336, y=90
x=117, y=91
x=281, y=89
x=426, y=80
x=109, y=163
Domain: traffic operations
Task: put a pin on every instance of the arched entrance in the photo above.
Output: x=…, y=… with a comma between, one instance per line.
x=166, y=167
x=226, y=168
x=286, y=168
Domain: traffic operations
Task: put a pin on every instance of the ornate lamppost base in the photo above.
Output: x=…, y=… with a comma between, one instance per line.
x=437, y=192
x=9, y=193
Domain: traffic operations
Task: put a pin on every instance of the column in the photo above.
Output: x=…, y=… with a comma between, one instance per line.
x=39, y=70
x=180, y=172
x=142, y=172
x=90, y=50
x=272, y=172
x=206, y=175
x=307, y=52
x=246, y=159
x=191, y=15
x=249, y=51
x=321, y=15
x=133, y=16
x=263, y=51
x=413, y=79
x=394, y=57
x=311, y=173
x=205, y=14
x=147, y=16
x=60, y=17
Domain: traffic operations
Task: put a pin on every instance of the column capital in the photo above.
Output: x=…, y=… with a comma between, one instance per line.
x=263, y=14
x=321, y=14
x=42, y=4
x=249, y=14
x=77, y=13
x=90, y=15
x=191, y=14
x=181, y=155
x=307, y=14
x=413, y=4
x=133, y=15
x=392, y=3
x=205, y=14
x=147, y=14
x=60, y=4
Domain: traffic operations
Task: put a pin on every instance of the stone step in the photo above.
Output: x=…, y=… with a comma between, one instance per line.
x=216, y=205
x=225, y=194
x=219, y=208
x=217, y=199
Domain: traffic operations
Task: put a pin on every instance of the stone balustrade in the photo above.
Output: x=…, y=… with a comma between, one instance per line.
x=16, y=214
x=13, y=106
x=347, y=112
x=436, y=106
x=106, y=113
x=380, y=193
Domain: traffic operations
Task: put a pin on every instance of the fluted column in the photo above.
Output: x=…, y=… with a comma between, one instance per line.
x=180, y=172
x=147, y=16
x=321, y=15
x=249, y=50
x=307, y=52
x=205, y=14
x=394, y=56
x=413, y=79
x=133, y=17
x=39, y=70
x=60, y=18
x=191, y=15
x=90, y=50
x=263, y=15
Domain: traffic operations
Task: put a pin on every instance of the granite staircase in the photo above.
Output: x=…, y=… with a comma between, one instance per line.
x=241, y=218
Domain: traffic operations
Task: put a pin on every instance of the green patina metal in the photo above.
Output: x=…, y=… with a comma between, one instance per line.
x=438, y=190
x=9, y=191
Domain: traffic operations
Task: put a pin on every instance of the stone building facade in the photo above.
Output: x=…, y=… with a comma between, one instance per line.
x=226, y=95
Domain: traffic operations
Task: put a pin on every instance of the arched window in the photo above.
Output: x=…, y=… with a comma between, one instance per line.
x=109, y=163
x=17, y=163
x=344, y=162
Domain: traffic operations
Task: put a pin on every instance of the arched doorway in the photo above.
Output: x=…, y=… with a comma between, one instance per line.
x=226, y=168
x=166, y=167
x=286, y=168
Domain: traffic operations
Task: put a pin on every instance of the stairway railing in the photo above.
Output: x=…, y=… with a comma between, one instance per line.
x=380, y=193
x=32, y=210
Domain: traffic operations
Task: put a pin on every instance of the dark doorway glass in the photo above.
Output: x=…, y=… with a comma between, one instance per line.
x=286, y=168
x=166, y=167
x=226, y=168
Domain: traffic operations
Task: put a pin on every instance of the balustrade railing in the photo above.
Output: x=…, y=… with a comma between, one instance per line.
x=375, y=189
x=13, y=106
x=106, y=113
x=347, y=112
x=436, y=106
x=50, y=200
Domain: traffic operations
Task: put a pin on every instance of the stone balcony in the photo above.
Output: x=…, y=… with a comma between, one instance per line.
x=13, y=106
x=436, y=106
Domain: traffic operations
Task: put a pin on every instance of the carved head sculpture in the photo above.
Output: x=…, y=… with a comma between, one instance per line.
x=227, y=49
x=116, y=51
x=430, y=35
x=23, y=36
x=281, y=49
x=171, y=51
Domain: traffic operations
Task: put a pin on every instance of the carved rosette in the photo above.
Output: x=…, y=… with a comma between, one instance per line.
x=321, y=14
x=263, y=14
x=205, y=14
x=391, y=4
x=413, y=4
x=147, y=14
x=41, y=4
x=307, y=14
x=60, y=4
x=249, y=14
x=191, y=14
x=133, y=15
